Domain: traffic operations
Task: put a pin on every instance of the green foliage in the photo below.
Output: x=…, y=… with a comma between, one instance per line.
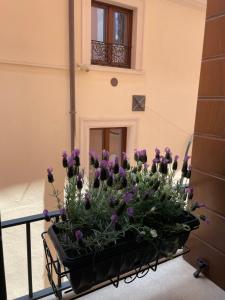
x=150, y=205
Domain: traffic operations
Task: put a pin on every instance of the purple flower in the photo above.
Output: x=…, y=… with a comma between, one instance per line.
x=154, y=167
x=167, y=150
x=186, y=158
x=175, y=163
x=79, y=235
x=50, y=170
x=189, y=190
x=97, y=173
x=176, y=157
x=62, y=211
x=168, y=155
x=143, y=155
x=110, y=165
x=64, y=160
x=157, y=154
x=92, y=155
x=104, y=164
x=70, y=161
x=105, y=155
x=96, y=163
x=165, y=160
x=50, y=175
x=157, y=151
x=130, y=211
x=124, y=160
x=45, y=213
x=122, y=172
x=124, y=155
x=110, y=179
x=114, y=218
x=128, y=197
x=163, y=167
x=188, y=172
x=103, y=170
x=80, y=181
x=146, y=166
x=185, y=166
x=136, y=155
x=75, y=153
x=116, y=166
x=143, y=152
x=64, y=154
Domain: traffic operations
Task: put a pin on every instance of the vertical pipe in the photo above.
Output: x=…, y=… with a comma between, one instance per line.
x=29, y=263
x=72, y=72
x=3, y=294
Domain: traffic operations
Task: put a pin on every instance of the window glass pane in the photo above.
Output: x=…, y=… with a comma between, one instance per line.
x=115, y=143
x=97, y=24
x=120, y=28
x=96, y=141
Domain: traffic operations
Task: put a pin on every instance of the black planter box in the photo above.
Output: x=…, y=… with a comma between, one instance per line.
x=128, y=254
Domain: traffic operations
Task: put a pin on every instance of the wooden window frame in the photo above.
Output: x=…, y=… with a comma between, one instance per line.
x=108, y=35
x=106, y=138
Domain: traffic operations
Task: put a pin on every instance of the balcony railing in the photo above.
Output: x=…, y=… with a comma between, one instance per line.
x=115, y=55
x=27, y=221
x=63, y=286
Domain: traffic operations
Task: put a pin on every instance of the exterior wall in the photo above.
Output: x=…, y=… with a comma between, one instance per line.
x=172, y=48
x=34, y=88
x=34, y=124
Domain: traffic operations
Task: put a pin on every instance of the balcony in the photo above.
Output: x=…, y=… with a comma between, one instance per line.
x=114, y=55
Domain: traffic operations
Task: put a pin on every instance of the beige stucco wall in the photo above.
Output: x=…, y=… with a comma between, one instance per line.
x=34, y=95
x=34, y=123
x=173, y=36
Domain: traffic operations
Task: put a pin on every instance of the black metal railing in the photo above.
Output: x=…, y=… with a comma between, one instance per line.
x=116, y=55
x=27, y=221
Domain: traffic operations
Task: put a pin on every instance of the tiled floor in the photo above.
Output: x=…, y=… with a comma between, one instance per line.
x=172, y=281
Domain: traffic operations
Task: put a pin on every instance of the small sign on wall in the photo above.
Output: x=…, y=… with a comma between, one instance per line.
x=138, y=103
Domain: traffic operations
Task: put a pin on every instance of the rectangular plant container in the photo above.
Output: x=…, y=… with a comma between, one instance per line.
x=128, y=254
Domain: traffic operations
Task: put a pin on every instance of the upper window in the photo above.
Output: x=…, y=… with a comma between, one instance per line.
x=111, y=35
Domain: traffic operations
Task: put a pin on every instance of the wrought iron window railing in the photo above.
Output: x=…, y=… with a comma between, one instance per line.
x=115, y=55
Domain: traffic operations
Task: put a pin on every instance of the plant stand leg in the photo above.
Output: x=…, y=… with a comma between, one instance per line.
x=201, y=265
x=59, y=279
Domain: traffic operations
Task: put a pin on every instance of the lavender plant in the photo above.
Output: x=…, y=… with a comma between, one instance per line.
x=120, y=200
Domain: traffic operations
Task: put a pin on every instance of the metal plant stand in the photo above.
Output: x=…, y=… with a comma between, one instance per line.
x=53, y=266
